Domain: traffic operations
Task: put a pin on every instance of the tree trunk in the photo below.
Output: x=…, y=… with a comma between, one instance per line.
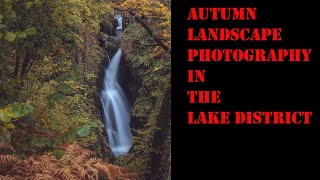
x=25, y=64
x=16, y=69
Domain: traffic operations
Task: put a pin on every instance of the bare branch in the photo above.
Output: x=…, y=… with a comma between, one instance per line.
x=150, y=32
x=136, y=42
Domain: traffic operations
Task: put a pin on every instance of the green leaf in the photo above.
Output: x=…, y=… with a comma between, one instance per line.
x=29, y=108
x=92, y=124
x=53, y=143
x=55, y=97
x=9, y=126
x=21, y=35
x=31, y=31
x=39, y=141
x=58, y=153
x=20, y=110
x=37, y=2
x=10, y=37
x=83, y=131
x=71, y=135
x=1, y=17
x=2, y=26
x=4, y=117
x=10, y=15
x=17, y=110
x=71, y=76
x=63, y=87
x=8, y=2
x=29, y=5
x=61, y=78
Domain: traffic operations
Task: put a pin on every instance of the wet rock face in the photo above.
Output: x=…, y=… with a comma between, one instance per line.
x=108, y=28
x=109, y=40
x=131, y=85
x=110, y=43
x=138, y=122
x=130, y=81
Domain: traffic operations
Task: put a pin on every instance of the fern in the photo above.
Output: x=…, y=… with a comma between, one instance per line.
x=6, y=146
x=63, y=174
x=44, y=177
x=66, y=159
x=7, y=178
x=8, y=160
x=76, y=164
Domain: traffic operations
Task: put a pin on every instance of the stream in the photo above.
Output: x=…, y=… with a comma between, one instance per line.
x=115, y=106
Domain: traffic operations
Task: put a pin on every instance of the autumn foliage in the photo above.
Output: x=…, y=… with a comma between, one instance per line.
x=76, y=163
x=52, y=57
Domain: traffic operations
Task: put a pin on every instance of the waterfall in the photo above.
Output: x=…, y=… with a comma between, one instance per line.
x=119, y=27
x=115, y=107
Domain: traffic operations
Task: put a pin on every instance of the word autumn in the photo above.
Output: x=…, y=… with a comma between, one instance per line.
x=216, y=34
x=258, y=117
x=212, y=13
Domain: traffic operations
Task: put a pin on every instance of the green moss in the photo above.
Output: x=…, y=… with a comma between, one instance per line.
x=58, y=153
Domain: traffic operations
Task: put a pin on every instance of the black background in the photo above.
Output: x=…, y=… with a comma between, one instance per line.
x=209, y=151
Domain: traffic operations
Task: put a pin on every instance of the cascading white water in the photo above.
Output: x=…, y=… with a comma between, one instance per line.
x=119, y=21
x=115, y=107
x=119, y=27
